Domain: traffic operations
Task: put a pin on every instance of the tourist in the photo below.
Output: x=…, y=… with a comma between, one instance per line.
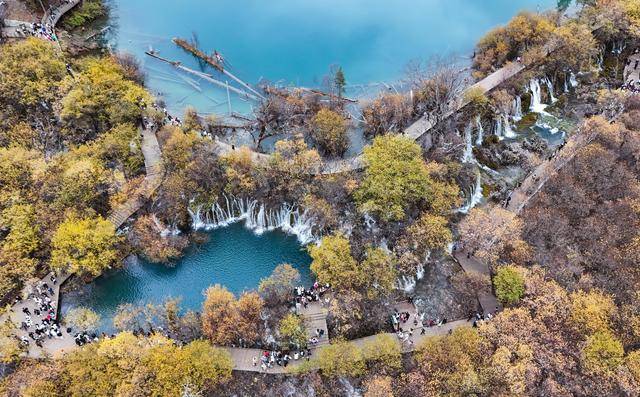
x=255, y=361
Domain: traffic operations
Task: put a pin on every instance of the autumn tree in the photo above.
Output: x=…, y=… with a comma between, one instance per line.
x=388, y=112
x=84, y=246
x=240, y=172
x=329, y=131
x=383, y=352
x=428, y=233
x=226, y=320
x=82, y=319
x=277, y=288
x=603, y=353
x=396, y=178
x=100, y=97
x=290, y=170
x=128, y=365
x=333, y=263
x=293, y=330
x=19, y=246
x=486, y=231
x=150, y=236
x=509, y=284
x=378, y=386
x=575, y=48
x=502, y=44
x=341, y=358
x=31, y=71
x=592, y=311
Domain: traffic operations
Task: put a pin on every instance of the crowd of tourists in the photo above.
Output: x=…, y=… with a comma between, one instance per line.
x=271, y=358
x=36, y=30
x=40, y=322
x=316, y=293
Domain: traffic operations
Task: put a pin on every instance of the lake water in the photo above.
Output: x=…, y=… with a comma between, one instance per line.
x=234, y=257
x=293, y=41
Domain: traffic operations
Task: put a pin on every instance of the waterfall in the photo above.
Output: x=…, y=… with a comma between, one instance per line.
x=572, y=80
x=536, y=97
x=480, y=130
x=474, y=196
x=407, y=283
x=600, y=60
x=550, y=89
x=289, y=218
x=517, y=108
x=467, y=156
x=503, y=127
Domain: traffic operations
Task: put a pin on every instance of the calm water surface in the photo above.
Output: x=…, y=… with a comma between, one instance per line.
x=294, y=41
x=234, y=257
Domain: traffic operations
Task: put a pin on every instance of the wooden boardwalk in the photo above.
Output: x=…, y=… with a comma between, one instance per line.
x=51, y=17
x=154, y=174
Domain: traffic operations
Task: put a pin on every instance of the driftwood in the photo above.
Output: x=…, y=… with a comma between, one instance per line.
x=203, y=75
x=193, y=50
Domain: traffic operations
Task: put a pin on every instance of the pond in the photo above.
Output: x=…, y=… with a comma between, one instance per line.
x=233, y=256
x=296, y=42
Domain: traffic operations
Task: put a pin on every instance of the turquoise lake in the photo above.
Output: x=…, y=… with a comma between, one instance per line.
x=295, y=42
x=233, y=256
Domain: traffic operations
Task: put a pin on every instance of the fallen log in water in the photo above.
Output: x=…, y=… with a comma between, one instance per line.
x=204, y=76
x=213, y=62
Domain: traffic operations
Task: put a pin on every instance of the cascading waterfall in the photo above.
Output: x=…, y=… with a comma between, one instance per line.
x=573, y=81
x=600, y=60
x=517, y=108
x=536, y=97
x=408, y=283
x=480, y=131
x=550, y=89
x=503, y=127
x=474, y=196
x=467, y=156
x=288, y=218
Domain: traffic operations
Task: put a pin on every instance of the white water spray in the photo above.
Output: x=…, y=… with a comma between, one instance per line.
x=467, y=156
x=550, y=89
x=517, y=108
x=503, y=127
x=480, y=131
x=474, y=196
x=288, y=218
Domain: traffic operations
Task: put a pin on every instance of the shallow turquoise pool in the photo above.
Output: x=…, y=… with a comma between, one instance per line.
x=294, y=41
x=234, y=257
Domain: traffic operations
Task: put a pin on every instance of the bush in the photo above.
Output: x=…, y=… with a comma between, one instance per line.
x=509, y=284
x=603, y=353
x=88, y=12
x=383, y=350
x=329, y=131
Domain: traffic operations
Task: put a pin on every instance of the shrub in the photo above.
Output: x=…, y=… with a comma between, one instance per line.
x=509, y=284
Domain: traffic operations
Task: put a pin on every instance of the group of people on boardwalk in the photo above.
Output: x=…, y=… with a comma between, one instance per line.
x=271, y=358
x=405, y=324
x=305, y=296
x=36, y=30
x=40, y=321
